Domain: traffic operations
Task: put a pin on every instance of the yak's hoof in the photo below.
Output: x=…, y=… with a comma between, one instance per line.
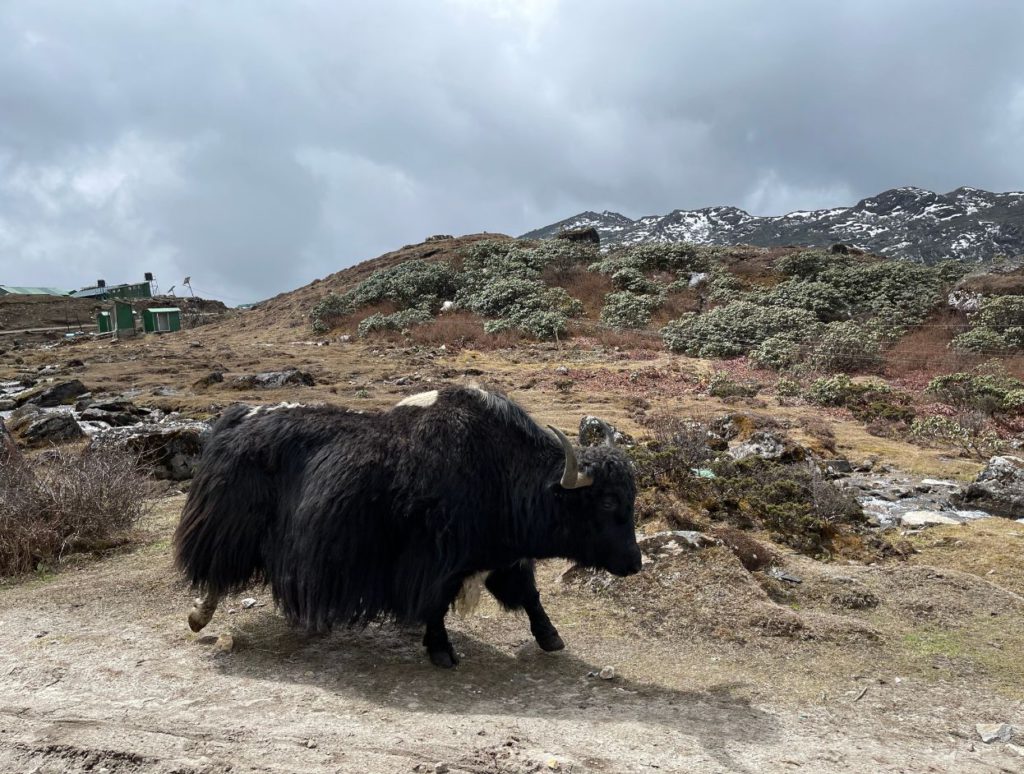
x=445, y=659
x=197, y=619
x=550, y=642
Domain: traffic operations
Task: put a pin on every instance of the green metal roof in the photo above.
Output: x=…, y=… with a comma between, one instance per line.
x=15, y=290
x=163, y=309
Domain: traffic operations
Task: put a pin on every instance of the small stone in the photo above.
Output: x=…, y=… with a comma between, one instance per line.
x=925, y=519
x=562, y=370
x=311, y=744
x=995, y=732
x=248, y=602
x=440, y=768
x=207, y=639
x=607, y=673
x=225, y=643
x=553, y=764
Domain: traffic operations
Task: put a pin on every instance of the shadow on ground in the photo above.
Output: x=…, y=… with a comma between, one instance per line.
x=386, y=666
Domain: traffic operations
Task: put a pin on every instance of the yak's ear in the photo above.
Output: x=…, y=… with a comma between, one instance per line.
x=572, y=478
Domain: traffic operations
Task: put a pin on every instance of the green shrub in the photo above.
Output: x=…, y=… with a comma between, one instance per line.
x=734, y=329
x=667, y=256
x=421, y=284
x=328, y=311
x=967, y=431
x=996, y=329
x=722, y=286
x=723, y=386
x=538, y=323
x=825, y=301
x=633, y=280
x=990, y=394
x=413, y=283
x=806, y=264
x=838, y=390
x=845, y=346
x=629, y=310
x=980, y=340
x=777, y=352
x=397, y=321
x=502, y=282
x=904, y=292
x=793, y=502
x=870, y=402
x=787, y=388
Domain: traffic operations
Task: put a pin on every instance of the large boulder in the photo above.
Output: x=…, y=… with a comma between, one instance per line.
x=59, y=393
x=592, y=432
x=998, y=489
x=769, y=446
x=170, y=448
x=32, y=426
x=50, y=395
x=588, y=235
x=272, y=379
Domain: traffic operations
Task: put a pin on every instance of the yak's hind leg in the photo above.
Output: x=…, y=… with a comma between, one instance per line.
x=516, y=589
x=202, y=611
x=439, y=647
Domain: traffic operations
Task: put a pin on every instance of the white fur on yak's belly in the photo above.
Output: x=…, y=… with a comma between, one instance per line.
x=428, y=398
x=469, y=595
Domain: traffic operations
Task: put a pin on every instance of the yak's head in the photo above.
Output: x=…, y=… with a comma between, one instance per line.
x=597, y=491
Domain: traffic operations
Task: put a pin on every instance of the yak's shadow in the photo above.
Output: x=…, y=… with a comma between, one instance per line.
x=387, y=665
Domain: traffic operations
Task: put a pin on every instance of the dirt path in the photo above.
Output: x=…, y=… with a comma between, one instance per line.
x=99, y=673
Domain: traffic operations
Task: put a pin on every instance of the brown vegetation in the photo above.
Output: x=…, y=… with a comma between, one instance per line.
x=64, y=502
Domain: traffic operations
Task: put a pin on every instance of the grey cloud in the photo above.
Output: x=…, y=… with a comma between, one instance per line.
x=257, y=145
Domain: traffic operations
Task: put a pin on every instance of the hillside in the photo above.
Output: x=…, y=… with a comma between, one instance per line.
x=912, y=223
x=805, y=441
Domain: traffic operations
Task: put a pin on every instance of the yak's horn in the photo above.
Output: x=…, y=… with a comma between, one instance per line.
x=571, y=476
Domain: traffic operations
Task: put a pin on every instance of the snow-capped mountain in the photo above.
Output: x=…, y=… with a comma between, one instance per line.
x=909, y=223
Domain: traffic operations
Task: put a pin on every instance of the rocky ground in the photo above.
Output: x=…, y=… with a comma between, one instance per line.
x=890, y=665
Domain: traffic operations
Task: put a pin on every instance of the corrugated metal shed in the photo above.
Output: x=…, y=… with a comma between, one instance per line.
x=15, y=290
x=128, y=290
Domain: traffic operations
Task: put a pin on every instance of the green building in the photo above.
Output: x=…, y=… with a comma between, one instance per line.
x=102, y=291
x=161, y=319
x=124, y=319
x=104, y=322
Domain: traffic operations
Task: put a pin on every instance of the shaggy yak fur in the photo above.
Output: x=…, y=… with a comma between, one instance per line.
x=357, y=517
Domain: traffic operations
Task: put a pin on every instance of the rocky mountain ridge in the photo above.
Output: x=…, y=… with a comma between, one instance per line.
x=911, y=223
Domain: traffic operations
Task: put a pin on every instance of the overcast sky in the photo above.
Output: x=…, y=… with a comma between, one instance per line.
x=257, y=145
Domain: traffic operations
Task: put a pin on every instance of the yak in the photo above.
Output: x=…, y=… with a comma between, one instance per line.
x=354, y=517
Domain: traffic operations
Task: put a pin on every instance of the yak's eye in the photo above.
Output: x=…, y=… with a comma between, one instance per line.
x=609, y=503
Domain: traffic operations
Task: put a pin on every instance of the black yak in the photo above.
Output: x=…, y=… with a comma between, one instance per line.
x=355, y=517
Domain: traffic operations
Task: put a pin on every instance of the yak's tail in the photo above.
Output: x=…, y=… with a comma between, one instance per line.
x=218, y=541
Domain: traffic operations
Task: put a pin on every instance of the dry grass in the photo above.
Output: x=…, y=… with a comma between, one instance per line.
x=924, y=352
x=459, y=330
x=589, y=287
x=67, y=502
x=992, y=549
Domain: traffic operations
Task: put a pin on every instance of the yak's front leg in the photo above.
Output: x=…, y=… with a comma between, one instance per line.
x=202, y=611
x=516, y=589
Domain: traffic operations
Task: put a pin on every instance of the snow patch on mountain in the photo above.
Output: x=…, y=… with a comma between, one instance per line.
x=909, y=222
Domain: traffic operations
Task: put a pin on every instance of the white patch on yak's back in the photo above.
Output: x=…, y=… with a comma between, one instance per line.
x=420, y=399
x=429, y=398
x=266, y=409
